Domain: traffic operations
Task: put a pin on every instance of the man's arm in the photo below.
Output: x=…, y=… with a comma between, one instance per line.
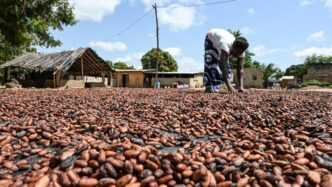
x=224, y=60
x=240, y=73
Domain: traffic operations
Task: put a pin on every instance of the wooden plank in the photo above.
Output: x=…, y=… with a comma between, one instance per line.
x=93, y=64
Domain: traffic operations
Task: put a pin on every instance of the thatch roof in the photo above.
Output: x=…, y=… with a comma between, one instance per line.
x=61, y=61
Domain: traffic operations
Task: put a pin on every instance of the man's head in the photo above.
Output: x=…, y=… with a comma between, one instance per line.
x=239, y=46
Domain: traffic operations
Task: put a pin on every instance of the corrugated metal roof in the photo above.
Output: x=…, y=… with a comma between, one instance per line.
x=48, y=62
x=287, y=78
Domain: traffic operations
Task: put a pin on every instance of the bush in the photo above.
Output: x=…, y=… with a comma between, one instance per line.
x=316, y=83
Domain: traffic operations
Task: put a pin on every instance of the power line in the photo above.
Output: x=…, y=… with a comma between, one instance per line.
x=125, y=29
x=201, y=4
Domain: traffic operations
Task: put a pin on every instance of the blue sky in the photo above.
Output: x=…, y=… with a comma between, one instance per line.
x=282, y=32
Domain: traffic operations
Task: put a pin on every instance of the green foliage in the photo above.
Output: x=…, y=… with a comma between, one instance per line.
x=316, y=83
x=166, y=61
x=297, y=70
x=121, y=65
x=271, y=71
x=318, y=59
x=301, y=69
x=24, y=24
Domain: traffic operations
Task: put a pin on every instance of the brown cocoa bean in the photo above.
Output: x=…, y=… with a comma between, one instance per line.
x=225, y=184
x=74, y=178
x=165, y=179
x=102, y=156
x=106, y=182
x=327, y=181
x=151, y=165
x=88, y=182
x=123, y=181
x=314, y=177
x=116, y=163
x=131, y=153
x=66, y=154
x=43, y=182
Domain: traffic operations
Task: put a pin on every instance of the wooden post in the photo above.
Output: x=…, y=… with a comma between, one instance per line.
x=82, y=68
x=103, y=77
x=110, y=79
x=8, y=74
x=54, y=77
x=155, y=7
x=58, y=78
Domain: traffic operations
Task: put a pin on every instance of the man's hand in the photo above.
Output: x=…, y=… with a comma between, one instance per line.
x=231, y=90
x=242, y=90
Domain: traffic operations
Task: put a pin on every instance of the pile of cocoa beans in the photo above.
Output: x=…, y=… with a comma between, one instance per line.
x=146, y=137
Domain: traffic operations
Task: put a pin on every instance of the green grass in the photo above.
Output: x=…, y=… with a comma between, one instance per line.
x=316, y=83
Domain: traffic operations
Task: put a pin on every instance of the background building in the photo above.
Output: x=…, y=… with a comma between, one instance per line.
x=146, y=79
x=176, y=79
x=130, y=78
x=320, y=72
x=288, y=82
x=253, y=78
x=67, y=68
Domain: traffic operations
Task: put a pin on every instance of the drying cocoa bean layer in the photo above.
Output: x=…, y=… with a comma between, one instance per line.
x=144, y=137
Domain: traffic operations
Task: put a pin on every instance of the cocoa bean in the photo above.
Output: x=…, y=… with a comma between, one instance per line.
x=123, y=181
x=131, y=153
x=314, y=177
x=88, y=182
x=43, y=182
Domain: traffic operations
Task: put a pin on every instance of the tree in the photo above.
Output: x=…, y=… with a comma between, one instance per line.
x=166, y=62
x=25, y=24
x=271, y=71
x=297, y=70
x=301, y=69
x=314, y=59
x=121, y=65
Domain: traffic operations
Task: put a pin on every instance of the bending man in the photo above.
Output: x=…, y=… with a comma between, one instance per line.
x=220, y=47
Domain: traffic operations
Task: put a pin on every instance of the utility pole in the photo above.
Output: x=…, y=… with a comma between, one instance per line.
x=157, y=34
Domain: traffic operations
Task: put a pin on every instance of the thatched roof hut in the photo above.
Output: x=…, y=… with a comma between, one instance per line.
x=79, y=62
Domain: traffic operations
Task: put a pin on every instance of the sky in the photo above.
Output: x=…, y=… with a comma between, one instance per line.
x=282, y=32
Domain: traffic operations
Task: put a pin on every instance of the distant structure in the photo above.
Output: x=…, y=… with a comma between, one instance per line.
x=74, y=68
x=128, y=78
x=146, y=79
x=253, y=78
x=288, y=82
x=176, y=79
x=320, y=72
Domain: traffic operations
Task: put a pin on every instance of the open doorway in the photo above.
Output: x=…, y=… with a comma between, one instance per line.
x=125, y=80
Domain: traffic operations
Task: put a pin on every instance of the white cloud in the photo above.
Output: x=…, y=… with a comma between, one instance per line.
x=93, y=10
x=174, y=51
x=185, y=63
x=262, y=51
x=313, y=50
x=251, y=11
x=109, y=46
x=176, y=16
x=132, y=59
x=317, y=36
x=306, y=2
x=327, y=4
x=189, y=64
x=247, y=30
